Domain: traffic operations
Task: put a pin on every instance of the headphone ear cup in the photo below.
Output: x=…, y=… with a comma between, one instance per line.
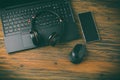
x=53, y=39
x=35, y=38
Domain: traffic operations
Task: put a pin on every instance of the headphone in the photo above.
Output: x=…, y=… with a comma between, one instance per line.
x=52, y=36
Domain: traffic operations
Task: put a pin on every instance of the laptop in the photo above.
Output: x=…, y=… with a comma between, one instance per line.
x=15, y=15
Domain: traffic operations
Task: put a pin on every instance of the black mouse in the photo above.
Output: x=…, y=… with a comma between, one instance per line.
x=78, y=53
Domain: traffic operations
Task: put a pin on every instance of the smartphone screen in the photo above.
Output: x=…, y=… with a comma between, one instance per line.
x=88, y=26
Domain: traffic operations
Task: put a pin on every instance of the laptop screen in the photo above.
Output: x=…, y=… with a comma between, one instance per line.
x=7, y=3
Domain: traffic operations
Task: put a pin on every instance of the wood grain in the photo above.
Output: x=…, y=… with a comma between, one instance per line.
x=102, y=61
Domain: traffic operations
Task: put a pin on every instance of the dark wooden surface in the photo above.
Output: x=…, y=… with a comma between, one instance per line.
x=51, y=63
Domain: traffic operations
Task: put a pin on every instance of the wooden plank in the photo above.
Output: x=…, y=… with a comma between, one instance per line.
x=50, y=63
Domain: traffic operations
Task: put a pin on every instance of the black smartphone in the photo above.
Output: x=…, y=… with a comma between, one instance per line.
x=88, y=26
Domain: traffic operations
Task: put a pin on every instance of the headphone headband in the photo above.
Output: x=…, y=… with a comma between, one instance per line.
x=44, y=11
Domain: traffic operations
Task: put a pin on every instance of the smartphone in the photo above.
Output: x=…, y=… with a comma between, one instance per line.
x=88, y=26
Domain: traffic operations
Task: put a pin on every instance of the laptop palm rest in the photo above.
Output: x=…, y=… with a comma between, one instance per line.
x=14, y=43
x=27, y=41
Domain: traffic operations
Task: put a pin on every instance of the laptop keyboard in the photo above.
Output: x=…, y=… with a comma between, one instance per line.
x=18, y=20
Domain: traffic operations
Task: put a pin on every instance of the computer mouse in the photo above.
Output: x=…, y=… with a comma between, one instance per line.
x=77, y=54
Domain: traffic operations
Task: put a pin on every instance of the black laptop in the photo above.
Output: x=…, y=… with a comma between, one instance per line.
x=15, y=15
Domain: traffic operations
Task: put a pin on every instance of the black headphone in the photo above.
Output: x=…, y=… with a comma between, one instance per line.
x=53, y=37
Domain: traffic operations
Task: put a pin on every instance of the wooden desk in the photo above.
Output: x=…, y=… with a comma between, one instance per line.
x=51, y=63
